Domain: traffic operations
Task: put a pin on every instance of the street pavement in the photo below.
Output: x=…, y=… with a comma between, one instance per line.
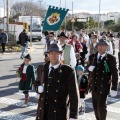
x=12, y=100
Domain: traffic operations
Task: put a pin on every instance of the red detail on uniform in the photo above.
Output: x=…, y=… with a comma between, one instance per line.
x=82, y=90
x=78, y=45
x=24, y=76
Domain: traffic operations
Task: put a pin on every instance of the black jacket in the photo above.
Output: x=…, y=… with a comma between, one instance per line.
x=83, y=84
x=62, y=90
x=101, y=79
x=23, y=38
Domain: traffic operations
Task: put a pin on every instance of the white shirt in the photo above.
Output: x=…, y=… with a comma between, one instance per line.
x=86, y=38
x=72, y=57
x=88, y=54
x=24, y=69
x=110, y=48
x=55, y=66
x=103, y=55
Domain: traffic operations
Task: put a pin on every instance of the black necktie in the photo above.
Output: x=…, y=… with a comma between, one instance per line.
x=51, y=74
x=100, y=58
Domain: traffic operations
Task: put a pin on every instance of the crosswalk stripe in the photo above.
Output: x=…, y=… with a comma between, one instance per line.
x=14, y=116
x=110, y=99
x=32, y=105
x=110, y=109
x=20, y=103
x=31, y=94
x=89, y=116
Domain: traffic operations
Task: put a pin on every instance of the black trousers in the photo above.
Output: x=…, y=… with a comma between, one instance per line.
x=3, y=47
x=99, y=104
x=25, y=92
x=119, y=59
x=82, y=54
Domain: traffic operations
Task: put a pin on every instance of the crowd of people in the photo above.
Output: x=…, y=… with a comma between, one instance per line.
x=61, y=81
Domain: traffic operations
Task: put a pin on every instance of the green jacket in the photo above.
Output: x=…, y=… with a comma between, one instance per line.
x=30, y=74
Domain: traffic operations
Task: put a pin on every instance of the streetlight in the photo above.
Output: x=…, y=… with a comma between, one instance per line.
x=99, y=15
x=72, y=17
x=7, y=11
x=65, y=16
x=4, y=7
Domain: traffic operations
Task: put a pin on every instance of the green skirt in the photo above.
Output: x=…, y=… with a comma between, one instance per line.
x=25, y=85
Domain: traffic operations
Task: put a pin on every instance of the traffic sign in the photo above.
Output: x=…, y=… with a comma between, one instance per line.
x=82, y=20
x=73, y=20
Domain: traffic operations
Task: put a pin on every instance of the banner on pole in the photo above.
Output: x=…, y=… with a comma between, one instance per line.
x=54, y=18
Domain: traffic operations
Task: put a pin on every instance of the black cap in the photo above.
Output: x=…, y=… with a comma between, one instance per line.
x=55, y=47
x=28, y=57
x=63, y=34
x=111, y=35
x=103, y=42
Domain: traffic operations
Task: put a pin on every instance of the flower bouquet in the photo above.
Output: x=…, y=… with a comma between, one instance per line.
x=19, y=72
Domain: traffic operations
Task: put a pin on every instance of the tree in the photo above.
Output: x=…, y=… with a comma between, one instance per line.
x=92, y=23
x=115, y=27
x=79, y=25
x=27, y=8
x=109, y=22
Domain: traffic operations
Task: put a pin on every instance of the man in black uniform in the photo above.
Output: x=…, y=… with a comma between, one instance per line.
x=60, y=89
x=103, y=73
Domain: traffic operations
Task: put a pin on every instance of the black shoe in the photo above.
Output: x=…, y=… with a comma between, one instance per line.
x=21, y=57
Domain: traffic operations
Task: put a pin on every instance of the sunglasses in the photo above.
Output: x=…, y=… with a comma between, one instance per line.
x=51, y=36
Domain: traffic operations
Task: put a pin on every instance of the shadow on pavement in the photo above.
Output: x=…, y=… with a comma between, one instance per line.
x=8, y=91
x=7, y=77
x=10, y=59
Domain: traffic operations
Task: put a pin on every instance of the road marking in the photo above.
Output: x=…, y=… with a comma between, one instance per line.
x=19, y=103
x=31, y=105
x=89, y=116
x=31, y=94
x=14, y=116
x=110, y=109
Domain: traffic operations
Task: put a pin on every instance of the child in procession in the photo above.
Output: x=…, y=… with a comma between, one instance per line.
x=26, y=72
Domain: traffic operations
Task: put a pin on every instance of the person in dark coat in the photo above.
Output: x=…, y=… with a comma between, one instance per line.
x=112, y=39
x=47, y=38
x=27, y=77
x=50, y=42
x=103, y=76
x=3, y=40
x=23, y=40
x=82, y=84
x=58, y=89
x=119, y=52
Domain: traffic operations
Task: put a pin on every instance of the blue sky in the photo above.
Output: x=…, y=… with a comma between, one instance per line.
x=91, y=6
x=88, y=5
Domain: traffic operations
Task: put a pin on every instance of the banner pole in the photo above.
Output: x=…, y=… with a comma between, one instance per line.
x=59, y=7
x=60, y=4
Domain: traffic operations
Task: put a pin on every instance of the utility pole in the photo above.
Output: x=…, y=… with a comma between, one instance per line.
x=65, y=16
x=7, y=11
x=60, y=4
x=99, y=15
x=4, y=7
x=72, y=17
x=31, y=30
